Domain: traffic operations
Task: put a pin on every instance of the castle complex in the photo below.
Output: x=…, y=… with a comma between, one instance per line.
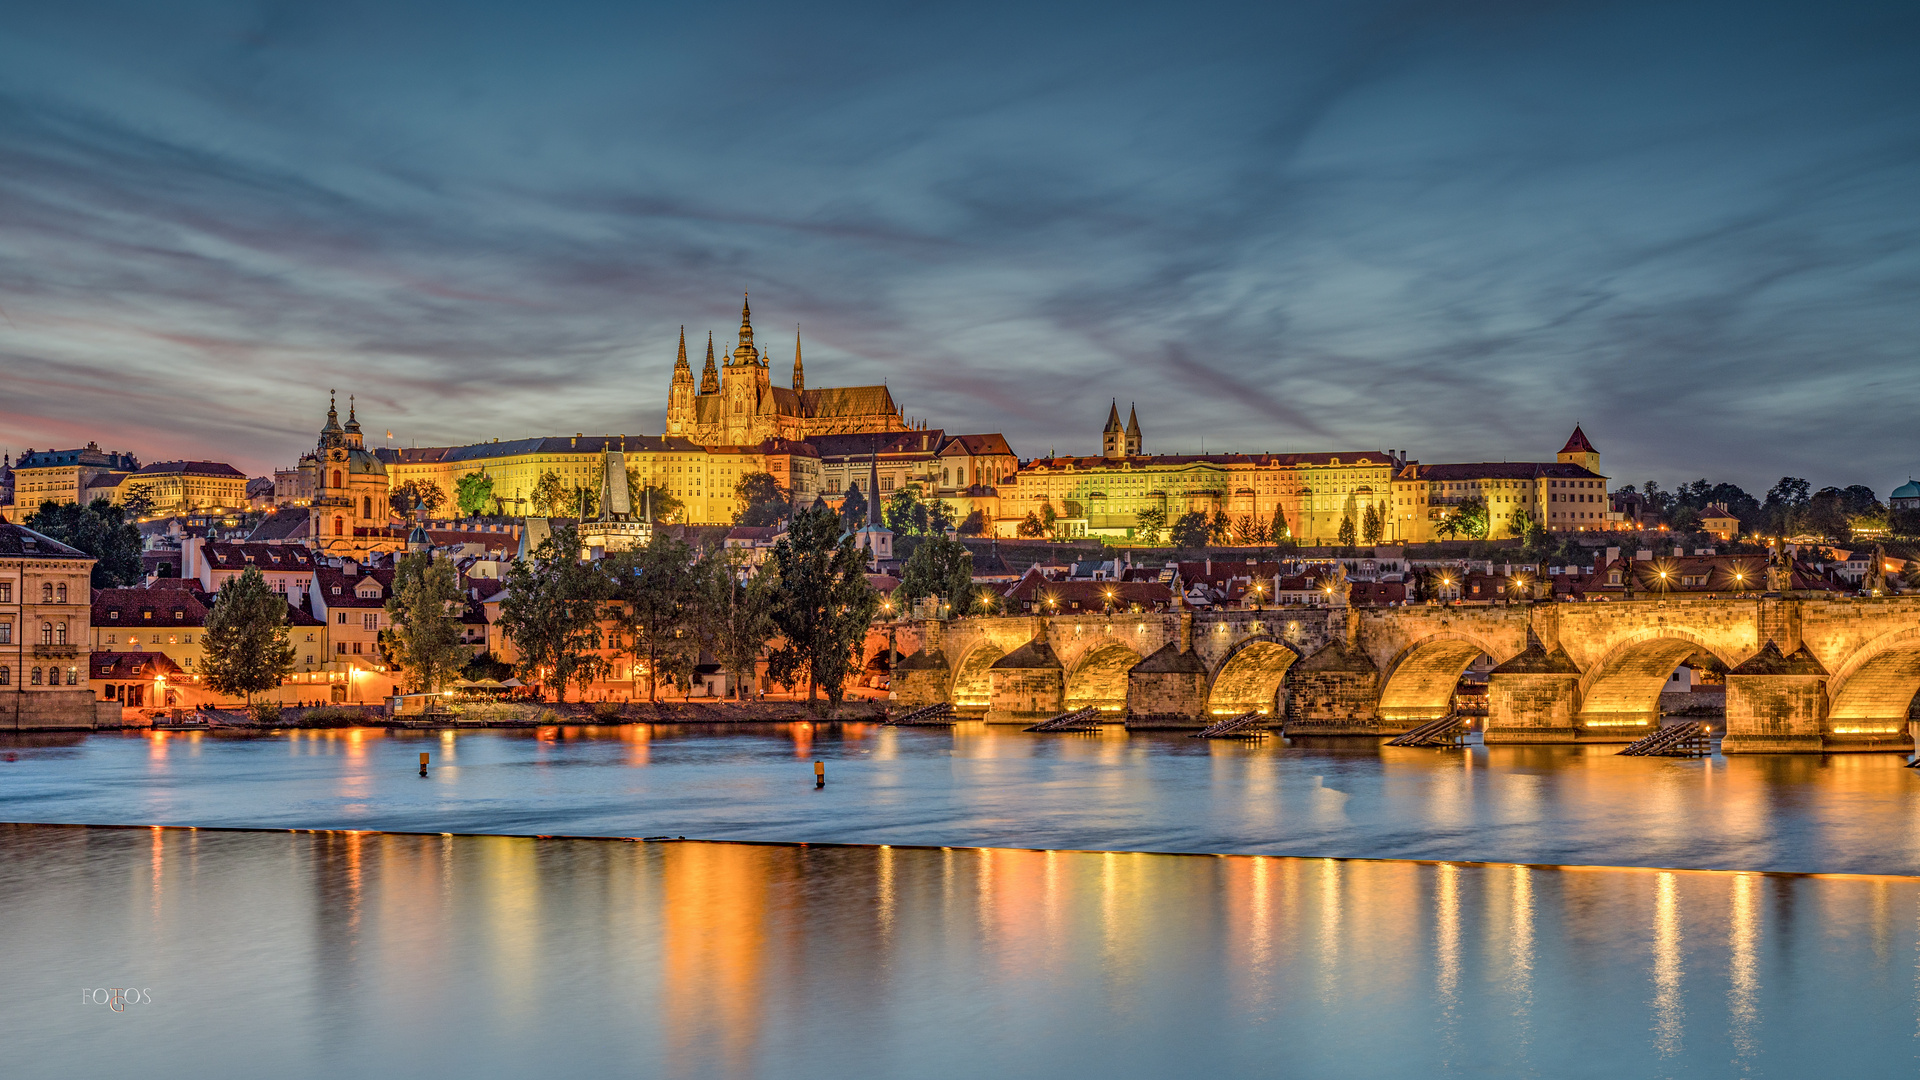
x=738, y=405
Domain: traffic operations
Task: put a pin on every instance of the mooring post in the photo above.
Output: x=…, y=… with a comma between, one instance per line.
x=819, y=775
x=423, y=763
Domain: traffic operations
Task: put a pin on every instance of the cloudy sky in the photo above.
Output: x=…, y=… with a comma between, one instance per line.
x=1455, y=228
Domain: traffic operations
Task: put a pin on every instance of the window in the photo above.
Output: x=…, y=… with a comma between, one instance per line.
x=356, y=647
x=339, y=526
x=59, y=633
x=109, y=639
x=73, y=676
x=336, y=478
x=6, y=633
x=370, y=621
x=36, y=676
x=6, y=592
x=6, y=675
x=46, y=633
x=366, y=506
x=60, y=593
x=46, y=592
x=340, y=647
x=341, y=618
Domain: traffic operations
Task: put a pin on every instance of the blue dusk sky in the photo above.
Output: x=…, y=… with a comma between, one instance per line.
x=1454, y=228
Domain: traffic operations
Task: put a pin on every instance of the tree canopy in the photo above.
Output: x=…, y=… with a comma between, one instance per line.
x=659, y=590
x=551, y=613
x=1192, y=530
x=938, y=567
x=425, y=611
x=247, y=646
x=474, y=494
x=825, y=604
x=762, y=500
x=102, y=531
x=736, y=616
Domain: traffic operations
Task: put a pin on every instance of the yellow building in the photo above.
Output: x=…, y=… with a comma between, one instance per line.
x=66, y=476
x=703, y=478
x=182, y=486
x=43, y=632
x=1567, y=495
x=169, y=618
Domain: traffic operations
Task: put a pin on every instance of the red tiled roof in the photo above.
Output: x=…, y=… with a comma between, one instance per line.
x=1577, y=443
x=328, y=579
x=228, y=555
x=1089, y=595
x=170, y=605
x=131, y=665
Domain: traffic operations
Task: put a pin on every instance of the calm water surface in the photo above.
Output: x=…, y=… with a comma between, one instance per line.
x=293, y=955
x=979, y=786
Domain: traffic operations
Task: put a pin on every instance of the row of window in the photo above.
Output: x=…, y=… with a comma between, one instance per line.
x=172, y=639
x=41, y=677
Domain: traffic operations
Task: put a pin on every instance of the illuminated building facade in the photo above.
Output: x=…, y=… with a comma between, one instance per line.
x=1566, y=495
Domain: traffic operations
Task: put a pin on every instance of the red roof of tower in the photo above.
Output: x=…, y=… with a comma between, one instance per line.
x=1577, y=443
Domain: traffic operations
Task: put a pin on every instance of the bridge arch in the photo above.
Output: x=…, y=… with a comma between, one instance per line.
x=1420, y=682
x=1623, y=688
x=1099, y=680
x=1249, y=679
x=1877, y=683
x=971, y=686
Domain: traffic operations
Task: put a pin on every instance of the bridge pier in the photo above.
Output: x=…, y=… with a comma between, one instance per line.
x=1534, y=698
x=1027, y=685
x=1336, y=691
x=924, y=677
x=1169, y=688
x=1776, y=704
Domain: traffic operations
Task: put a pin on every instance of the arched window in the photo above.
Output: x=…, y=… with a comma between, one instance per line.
x=59, y=633
x=73, y=676
x=60, y=593
x=46, y=633
x=366, y=506
x=46, y=592
x=336, y=478
x=36, y=676
x=339, y=526
x=6, y=675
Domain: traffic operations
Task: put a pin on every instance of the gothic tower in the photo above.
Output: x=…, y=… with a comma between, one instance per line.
x=799, y=376
x=680, y=393
x=1113, y=437
x=710, y=378
x=1579, y=451
x=1133, y=432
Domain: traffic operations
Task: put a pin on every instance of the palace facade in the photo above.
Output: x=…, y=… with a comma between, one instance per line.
x=738, y=405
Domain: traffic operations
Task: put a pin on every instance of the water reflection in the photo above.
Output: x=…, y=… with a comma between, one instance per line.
x=376, y=954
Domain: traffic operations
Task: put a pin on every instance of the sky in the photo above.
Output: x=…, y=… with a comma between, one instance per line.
x=1454, y=229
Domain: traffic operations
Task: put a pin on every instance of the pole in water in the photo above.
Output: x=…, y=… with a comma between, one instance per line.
x=423, y=763
x=819, y=775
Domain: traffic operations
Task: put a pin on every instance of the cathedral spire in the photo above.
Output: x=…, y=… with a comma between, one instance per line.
x=680, y=364
x=709, y=378
x=799, y=376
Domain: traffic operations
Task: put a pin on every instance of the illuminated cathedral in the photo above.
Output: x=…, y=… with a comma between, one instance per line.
x=738, y=405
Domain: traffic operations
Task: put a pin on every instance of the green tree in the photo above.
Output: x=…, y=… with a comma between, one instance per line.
x=940, y=517
x=659, y=590
x=474, y=494
x=1148, y=524
x=653, y=499
x=1219, y=527
x=138, y=503
x=429, y=496
x=825, y=605
x=1468, y=519
x=1049, y=520
x=905, y=513
x=550, y=495
x=1032, y=527
x=735, y=617
x=762, y=500
x=102, y=531
x=425, y=610
x=247, y=644
x=974, y=525
x=1192, y=530
x=853, y=509
x=1347, y=532
x=1278, y=529
x=1252, y=531
x=551, y=613
x=938, y=567
x=582, y=502
x=1372, y=524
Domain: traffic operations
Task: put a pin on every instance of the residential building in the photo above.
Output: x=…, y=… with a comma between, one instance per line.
x=351, y=601
x=64, y=476
x=1719, y=521
x=1567, y=495
x=288, y=568
x=169, y=619
x=184, y=486
x=43, y=632
x=738, y=405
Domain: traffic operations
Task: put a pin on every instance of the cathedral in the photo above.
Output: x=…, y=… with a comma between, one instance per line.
x=738, y=405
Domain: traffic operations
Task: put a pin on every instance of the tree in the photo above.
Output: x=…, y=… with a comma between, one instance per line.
x=1372, y=524
x=974, y=525
x=653, y=499
x=102, y=531
x=938, y=567
x=551, y=613
x=1826, y=515
x=907, y=513
x=247, y=645
x=550, y=495
x=939, y=517
x=659, y=589
x=138, y=503
x=425, y=611
x=1049, y=520
x=1280, y=533
x=1192, y=530
x=1032, y=527
x=429, y=496
x=735, y=616
x=473, y=493
x=853, y=509
x=1520, y=524
x=1253, y=531
x=1148, y=524
x=1784, y=512
x=762, y=500
x=1347, y=532
x=1219, y=528
x=582, y=503
x=1469, y=519
x=825, y=604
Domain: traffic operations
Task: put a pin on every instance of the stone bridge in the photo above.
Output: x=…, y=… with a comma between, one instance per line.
x=1804, y=675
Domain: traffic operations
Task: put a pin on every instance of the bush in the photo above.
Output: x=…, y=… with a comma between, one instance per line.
x=609, y=710
x=548, y=716
x=265, y=712
x=334, y=716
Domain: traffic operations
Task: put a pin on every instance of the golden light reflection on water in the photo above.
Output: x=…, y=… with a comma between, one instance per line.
x=721, y=955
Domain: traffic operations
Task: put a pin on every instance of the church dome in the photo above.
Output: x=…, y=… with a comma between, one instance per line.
x=418, y=540
x=365, y=461
x=1908, y=490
